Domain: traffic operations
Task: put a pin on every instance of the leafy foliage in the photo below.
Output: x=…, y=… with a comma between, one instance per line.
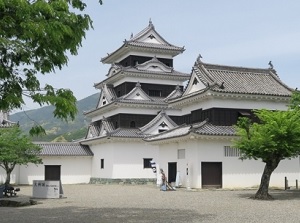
x=274, y=138
x=16, y=148
x=35, y=37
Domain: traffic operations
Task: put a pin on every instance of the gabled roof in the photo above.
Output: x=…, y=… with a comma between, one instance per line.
x=64, y=149
x=137, y=93
x=174, y=94
x=100, y=128
x=201, y=128
x=150, y=68
x=236, y=80
x=146, y=40
x=106, y=130
x=107, y=95
x=161, y=122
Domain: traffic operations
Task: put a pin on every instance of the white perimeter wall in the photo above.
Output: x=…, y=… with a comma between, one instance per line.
x=74, y=170
x=236, y=173
x=123, y=160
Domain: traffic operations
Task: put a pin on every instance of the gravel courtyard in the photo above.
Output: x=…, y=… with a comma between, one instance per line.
x=117, y=203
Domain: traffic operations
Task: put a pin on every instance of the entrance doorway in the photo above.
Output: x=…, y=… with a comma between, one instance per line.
x=172, y=171
x=52, y=172
x=211, y=173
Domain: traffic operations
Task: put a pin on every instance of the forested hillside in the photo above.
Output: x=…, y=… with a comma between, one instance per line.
x=57, y=130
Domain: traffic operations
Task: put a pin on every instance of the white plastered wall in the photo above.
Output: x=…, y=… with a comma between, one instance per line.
x=123, y=160
x=235, y=172
x=74, y=170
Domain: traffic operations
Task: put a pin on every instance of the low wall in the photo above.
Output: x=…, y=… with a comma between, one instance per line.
x=132, y=181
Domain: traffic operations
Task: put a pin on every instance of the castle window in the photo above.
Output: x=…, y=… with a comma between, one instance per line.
x=102, y=164
x=147, y=163
x=231, y=152
x=132, y=124
x=155, y=93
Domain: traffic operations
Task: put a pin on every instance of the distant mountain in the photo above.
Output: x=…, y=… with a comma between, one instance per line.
x=57, y=130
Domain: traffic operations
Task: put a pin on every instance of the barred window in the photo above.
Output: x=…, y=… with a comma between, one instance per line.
x=181, y=154
x=231, y=152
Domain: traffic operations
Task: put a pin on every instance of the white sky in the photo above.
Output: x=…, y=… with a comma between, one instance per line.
x=233, y=32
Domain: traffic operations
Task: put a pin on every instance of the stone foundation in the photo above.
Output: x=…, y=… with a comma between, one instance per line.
x=126, y=181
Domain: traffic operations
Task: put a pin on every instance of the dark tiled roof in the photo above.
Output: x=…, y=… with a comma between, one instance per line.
x=64, y=149
x=173, y=73
x=217, y=130
x=126, y=133
x=201, y=128
x=155, y=46
x=241, y=80
x=137, y=43
x=154, y=101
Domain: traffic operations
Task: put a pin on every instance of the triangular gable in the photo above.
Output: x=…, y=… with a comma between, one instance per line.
x=106, y=96
x=104, y=128
x=195, y=84
x=162, y=122
x=137, y=93
x=149, y=35
x=174, y=94
x=114, y=69
x=93, y=131
x=154, y=65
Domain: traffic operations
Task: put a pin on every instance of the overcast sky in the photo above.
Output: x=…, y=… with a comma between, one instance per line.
x=233, y=32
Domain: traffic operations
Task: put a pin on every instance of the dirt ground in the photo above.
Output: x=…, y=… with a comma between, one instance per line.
x=119, y=203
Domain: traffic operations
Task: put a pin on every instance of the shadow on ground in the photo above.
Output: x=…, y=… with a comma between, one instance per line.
x=111, y=215
x=278, y=194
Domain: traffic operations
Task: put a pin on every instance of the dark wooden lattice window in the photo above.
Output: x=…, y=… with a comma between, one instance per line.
x=155, y=93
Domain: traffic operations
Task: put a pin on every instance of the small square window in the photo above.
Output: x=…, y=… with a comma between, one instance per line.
x=102, y=163
x=181, y=154
x=147, y=163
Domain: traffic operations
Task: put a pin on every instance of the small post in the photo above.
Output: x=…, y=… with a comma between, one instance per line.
x=286, y=186
x=296, y=184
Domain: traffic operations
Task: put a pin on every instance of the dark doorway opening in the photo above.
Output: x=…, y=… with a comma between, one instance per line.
x=172, y=171
x=52, y=172
x=211, y=173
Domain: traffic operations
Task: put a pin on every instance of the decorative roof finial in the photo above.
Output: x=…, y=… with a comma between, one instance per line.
x=270, y=64
x=199, y=58
x=138, y=84
x=150, y=23
x=131, y=36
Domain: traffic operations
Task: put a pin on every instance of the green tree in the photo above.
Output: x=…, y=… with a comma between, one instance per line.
x=16, y=148
x=274, y=138
x=35, y=38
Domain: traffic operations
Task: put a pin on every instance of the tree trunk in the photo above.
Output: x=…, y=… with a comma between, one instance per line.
x=9, y=167
x=7, y=181
x=263, y=191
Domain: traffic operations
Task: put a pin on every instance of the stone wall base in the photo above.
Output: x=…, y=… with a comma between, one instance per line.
x=127, y=181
